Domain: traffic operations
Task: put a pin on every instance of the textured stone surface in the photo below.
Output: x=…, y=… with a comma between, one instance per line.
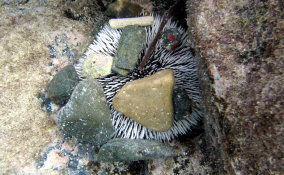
x=119, y=71
x=148, y=101
x=182, y=104
x=12, y=2
x=65, y=157
x=123, y=9
x=25, y=33
x=84, y=10
x=97, y=65
x=131, y=150
x=86, y=116
x=190, y=161
x=61, y=86
x=130, y=45
x=241, y=48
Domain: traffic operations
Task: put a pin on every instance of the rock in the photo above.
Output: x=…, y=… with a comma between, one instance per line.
x=243, y=93
x=123, y=9
x=119, y=71
x=86, y=116
x=130, y=46
x=100, y=23
x=61, y=86
x=182, y=104
x=97, y=65
x=12, y=2
x=85, y=10
x=148, y=101
x=26, y=31
x=66, y=156
x=48, y=106
x=120, y=149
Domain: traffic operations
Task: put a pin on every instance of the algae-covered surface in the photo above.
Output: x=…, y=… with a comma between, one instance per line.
x=25, y=33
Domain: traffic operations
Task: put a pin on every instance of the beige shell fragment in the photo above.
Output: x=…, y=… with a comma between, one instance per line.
x=123, y=22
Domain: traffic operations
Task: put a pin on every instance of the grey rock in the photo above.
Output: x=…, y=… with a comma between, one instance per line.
x=182, y=104
x=86, y=116
x=62, y=85
x=118, y=70
x=130, y=46
x=123, y=9
x=120, y=149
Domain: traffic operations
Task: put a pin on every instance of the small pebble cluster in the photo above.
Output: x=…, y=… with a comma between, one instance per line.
x=109, y=103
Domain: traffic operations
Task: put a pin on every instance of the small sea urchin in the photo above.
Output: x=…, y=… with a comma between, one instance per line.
x=180, y=60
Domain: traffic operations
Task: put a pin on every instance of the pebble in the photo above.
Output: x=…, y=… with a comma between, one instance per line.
x=61, y=86
x=97, y=65
x=130, y=46
x=86, y=116
x=120, y=149
x=182, y=104
x=123, y=9
x=119, y=70
x=148, y=101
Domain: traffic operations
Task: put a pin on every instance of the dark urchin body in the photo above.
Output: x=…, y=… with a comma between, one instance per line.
x=179, y=60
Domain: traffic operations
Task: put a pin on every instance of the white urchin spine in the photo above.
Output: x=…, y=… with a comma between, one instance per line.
x=179, y=60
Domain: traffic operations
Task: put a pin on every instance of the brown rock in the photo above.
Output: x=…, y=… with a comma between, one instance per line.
x=148, y=101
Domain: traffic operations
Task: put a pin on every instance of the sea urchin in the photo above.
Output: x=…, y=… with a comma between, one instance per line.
x=180, y=60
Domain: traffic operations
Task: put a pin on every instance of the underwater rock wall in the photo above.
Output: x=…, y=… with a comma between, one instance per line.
x=240, y=46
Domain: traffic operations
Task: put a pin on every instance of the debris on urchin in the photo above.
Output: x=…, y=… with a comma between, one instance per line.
x=180, y=60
